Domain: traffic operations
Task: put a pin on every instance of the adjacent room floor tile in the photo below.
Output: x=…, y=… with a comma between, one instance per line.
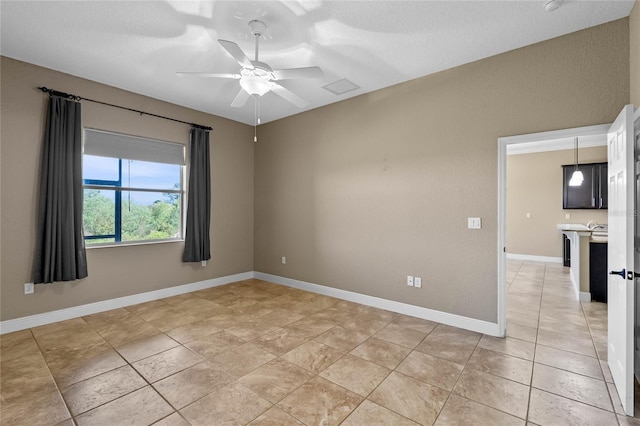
x=581, y=346
x=548, y=409
x=570, y=385
x=570, y=361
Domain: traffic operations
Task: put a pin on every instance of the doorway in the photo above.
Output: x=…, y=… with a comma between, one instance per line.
x=535, y=142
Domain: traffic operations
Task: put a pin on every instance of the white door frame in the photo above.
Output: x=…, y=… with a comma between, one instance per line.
x=502, y=198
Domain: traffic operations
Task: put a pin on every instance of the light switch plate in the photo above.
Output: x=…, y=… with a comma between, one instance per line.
x=417, y=282
x=474, y=223
x=409, y=280
x=28, y=288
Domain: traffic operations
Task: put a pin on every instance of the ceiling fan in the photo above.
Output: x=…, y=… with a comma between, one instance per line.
x=257, y=78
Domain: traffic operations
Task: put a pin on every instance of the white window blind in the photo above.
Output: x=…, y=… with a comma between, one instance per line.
x=118, y=145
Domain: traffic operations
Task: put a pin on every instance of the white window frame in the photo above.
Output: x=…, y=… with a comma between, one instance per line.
x=127, y=147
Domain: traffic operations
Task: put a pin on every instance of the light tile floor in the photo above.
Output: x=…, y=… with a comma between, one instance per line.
x=258, y=353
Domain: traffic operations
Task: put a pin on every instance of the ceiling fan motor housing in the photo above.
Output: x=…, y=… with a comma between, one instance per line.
x=257, y=27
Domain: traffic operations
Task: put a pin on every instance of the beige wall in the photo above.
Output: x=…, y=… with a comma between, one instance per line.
x=120, y=271
x=362, y=193
x=634, y=53
x=534, y=185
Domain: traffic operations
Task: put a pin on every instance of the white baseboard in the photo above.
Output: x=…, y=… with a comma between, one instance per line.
x=585, y=296
x=454, y=320
x=120, y=302
x=546, y=259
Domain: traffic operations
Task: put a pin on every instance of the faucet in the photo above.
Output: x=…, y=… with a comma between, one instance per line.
x=592, y=224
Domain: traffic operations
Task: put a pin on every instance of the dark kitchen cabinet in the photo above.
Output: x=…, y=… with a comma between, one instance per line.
x=598, y=271
x=593, y=192
x=566, y=251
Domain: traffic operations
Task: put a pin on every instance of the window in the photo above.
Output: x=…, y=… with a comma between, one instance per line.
x=133, y=188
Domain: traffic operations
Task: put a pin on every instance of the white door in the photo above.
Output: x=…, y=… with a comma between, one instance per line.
x=620, y=257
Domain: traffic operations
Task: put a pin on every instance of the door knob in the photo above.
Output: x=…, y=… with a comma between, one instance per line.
x=622, y=273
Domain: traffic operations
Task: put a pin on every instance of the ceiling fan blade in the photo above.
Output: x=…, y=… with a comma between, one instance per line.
x=237, y=53
x=293, y=73
x=208, y=75
x=289, y=96
x=240, y=99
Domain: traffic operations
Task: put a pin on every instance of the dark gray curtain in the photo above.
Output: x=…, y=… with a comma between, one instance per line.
x=60, y=252
x=196, y=241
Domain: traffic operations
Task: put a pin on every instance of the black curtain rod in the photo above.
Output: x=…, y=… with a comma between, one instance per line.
x=78, y=98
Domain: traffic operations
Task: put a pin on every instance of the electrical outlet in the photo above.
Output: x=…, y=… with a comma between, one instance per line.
x=203, y=263
x=409, y=280
x=567, y=216
x=284, y=260
x=528, y=215
x=417, y=282
x=474, y=223
x=28, y=288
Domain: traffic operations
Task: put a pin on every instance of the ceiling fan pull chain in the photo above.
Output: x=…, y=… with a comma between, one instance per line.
x=255, y=119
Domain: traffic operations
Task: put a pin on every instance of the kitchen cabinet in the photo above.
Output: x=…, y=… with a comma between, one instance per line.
x=598, y=271
x=593, y=192
x=566, y=251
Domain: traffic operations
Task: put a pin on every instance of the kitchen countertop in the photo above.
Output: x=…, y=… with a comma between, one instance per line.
x=597, y=235
x=572, y=227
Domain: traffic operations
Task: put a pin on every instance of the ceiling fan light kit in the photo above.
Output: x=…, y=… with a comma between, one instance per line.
x=255, y=85
x=258, y=78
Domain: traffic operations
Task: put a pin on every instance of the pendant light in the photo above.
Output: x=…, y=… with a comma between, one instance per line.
x=576, y=178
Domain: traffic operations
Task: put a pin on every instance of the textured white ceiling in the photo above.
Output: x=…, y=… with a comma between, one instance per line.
x=139, y=45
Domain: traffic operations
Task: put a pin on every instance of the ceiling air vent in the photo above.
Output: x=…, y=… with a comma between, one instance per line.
x=341, y=87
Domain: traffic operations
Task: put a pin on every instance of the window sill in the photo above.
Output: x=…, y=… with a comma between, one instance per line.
x=132, y=243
